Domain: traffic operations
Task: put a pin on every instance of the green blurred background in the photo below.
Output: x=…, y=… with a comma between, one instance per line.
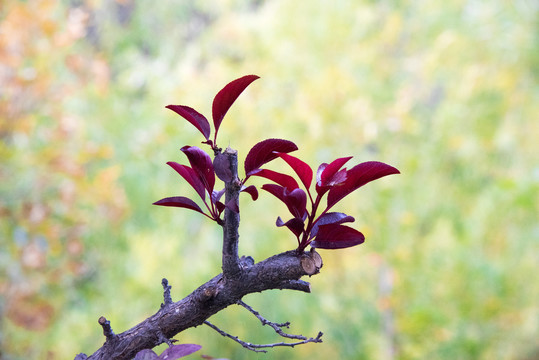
x=446, y=91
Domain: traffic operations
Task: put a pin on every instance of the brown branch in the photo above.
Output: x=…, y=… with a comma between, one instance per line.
x=282, y=271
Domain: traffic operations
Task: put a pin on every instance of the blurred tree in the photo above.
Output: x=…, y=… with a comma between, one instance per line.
x=55, y=183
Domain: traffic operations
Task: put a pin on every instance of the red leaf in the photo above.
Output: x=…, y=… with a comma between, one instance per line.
x=194, y=117
x=226, y=97
x=304, y=171
x=328, y=175
x=330, y=218
x=358, y=176
x=295, y=225
x=275, y=190
x=251, y=190
x=295, y=200
x=284, y=180
x=202, y=165
x=265, y=151
x=334, y=236
x=190, y=176
x=175, y=352
x=179, y=201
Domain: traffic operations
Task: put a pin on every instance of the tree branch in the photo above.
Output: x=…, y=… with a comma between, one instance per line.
x=282, y=271
x=231, y=264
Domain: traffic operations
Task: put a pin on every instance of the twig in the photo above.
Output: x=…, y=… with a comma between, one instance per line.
x=107, y=329
x=166, y=293
x=258, y=347
x=278, y=327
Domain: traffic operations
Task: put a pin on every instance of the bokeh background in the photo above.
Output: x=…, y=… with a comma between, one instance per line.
x=446, y=91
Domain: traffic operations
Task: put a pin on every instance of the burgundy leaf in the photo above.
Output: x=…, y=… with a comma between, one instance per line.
x=358, y=176
x=202, y=165
x=330, y=218
x=251, y=190
x=335, y=236
x=194, y=117
x=304, y=171
x=220, y=207
x=146, y=354
x=221, y=165
x=179, y=201
x=295, y=225
x=178, y=351
x=284, y=180
x=216, y=195
x=275, y=190
x=226, y=97
x=265, y=151
x=328, y=175
x=296, y=200
x=190, y=176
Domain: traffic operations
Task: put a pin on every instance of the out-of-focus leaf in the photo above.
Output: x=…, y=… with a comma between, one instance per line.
x=146, y=354
x=330, y=218
x=251, y=190
x=226, y=97
x=178, y=351
x=335, y=236
x=179, y=201
x=201, y=163
x=358, y=176
x=295, y=225
x=190, y=176
x=284, y=180
x=265, y=151
x=194, y=117
x=304, y=171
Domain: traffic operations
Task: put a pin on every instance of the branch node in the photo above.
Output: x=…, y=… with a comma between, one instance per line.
x=246, y=261
x=166, y=340
x=107, y=329
x=166, y=293
x=207, y=293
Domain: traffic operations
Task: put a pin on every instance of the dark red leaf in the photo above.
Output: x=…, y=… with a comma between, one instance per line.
x=284, y=180
x=335, y=236
x=265, y=151
x=304, y=171
x=296, y=200
x=358, y=176
x=221, y=165
x=216, y=195
x=226, y=97
x=190, y=176
x=295, y=225
x=179, y=201
x=328, y=175
x=251, y=190
x=330, y=218
x=275, y=190
x=202, y=165
x=178, y=351
x=194, y=117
